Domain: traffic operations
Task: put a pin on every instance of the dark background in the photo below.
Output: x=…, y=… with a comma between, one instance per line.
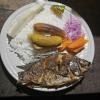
x=90, y=11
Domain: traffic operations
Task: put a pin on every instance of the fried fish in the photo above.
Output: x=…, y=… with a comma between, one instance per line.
x=53, y=71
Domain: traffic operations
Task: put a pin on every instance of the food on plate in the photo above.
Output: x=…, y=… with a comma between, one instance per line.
x=42, y=68
x=58, y=37
x=37, y=47
x=45, y=41
x=43, y=27
x=40, y=49
x=24, y=19
x=75, y=51
x=80, y=42
x=65, y=43
x=46, y=35
x=75, y=41
x=73, y=28
x=73, y=46
x=58, y=9
x=53, y=71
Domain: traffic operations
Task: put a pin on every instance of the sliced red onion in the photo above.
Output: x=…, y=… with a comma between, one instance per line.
x=73, y=28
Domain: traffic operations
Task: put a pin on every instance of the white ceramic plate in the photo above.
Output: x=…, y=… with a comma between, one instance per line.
x=10, y=60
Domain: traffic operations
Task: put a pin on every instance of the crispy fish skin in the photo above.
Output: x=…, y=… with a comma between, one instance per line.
x=79, y=66
x=54, y=71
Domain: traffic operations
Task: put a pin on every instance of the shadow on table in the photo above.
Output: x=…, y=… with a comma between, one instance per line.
x=23, y=89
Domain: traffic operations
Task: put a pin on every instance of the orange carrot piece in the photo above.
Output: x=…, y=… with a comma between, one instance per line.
x=80, y=42
x=64, y=44
x=77, y=50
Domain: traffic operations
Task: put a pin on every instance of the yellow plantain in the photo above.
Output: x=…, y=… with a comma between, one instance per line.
x=45, y=41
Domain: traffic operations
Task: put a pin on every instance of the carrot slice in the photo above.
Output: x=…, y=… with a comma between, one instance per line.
x=80, y=42
x=76, y=50
x=64, y=44
x=79, y=49
x=73, y=46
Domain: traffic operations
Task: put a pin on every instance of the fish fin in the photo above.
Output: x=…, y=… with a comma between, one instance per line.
x=9, y=38
x=25, y=67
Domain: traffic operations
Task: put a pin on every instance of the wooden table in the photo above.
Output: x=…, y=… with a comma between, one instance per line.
x=89, y=10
